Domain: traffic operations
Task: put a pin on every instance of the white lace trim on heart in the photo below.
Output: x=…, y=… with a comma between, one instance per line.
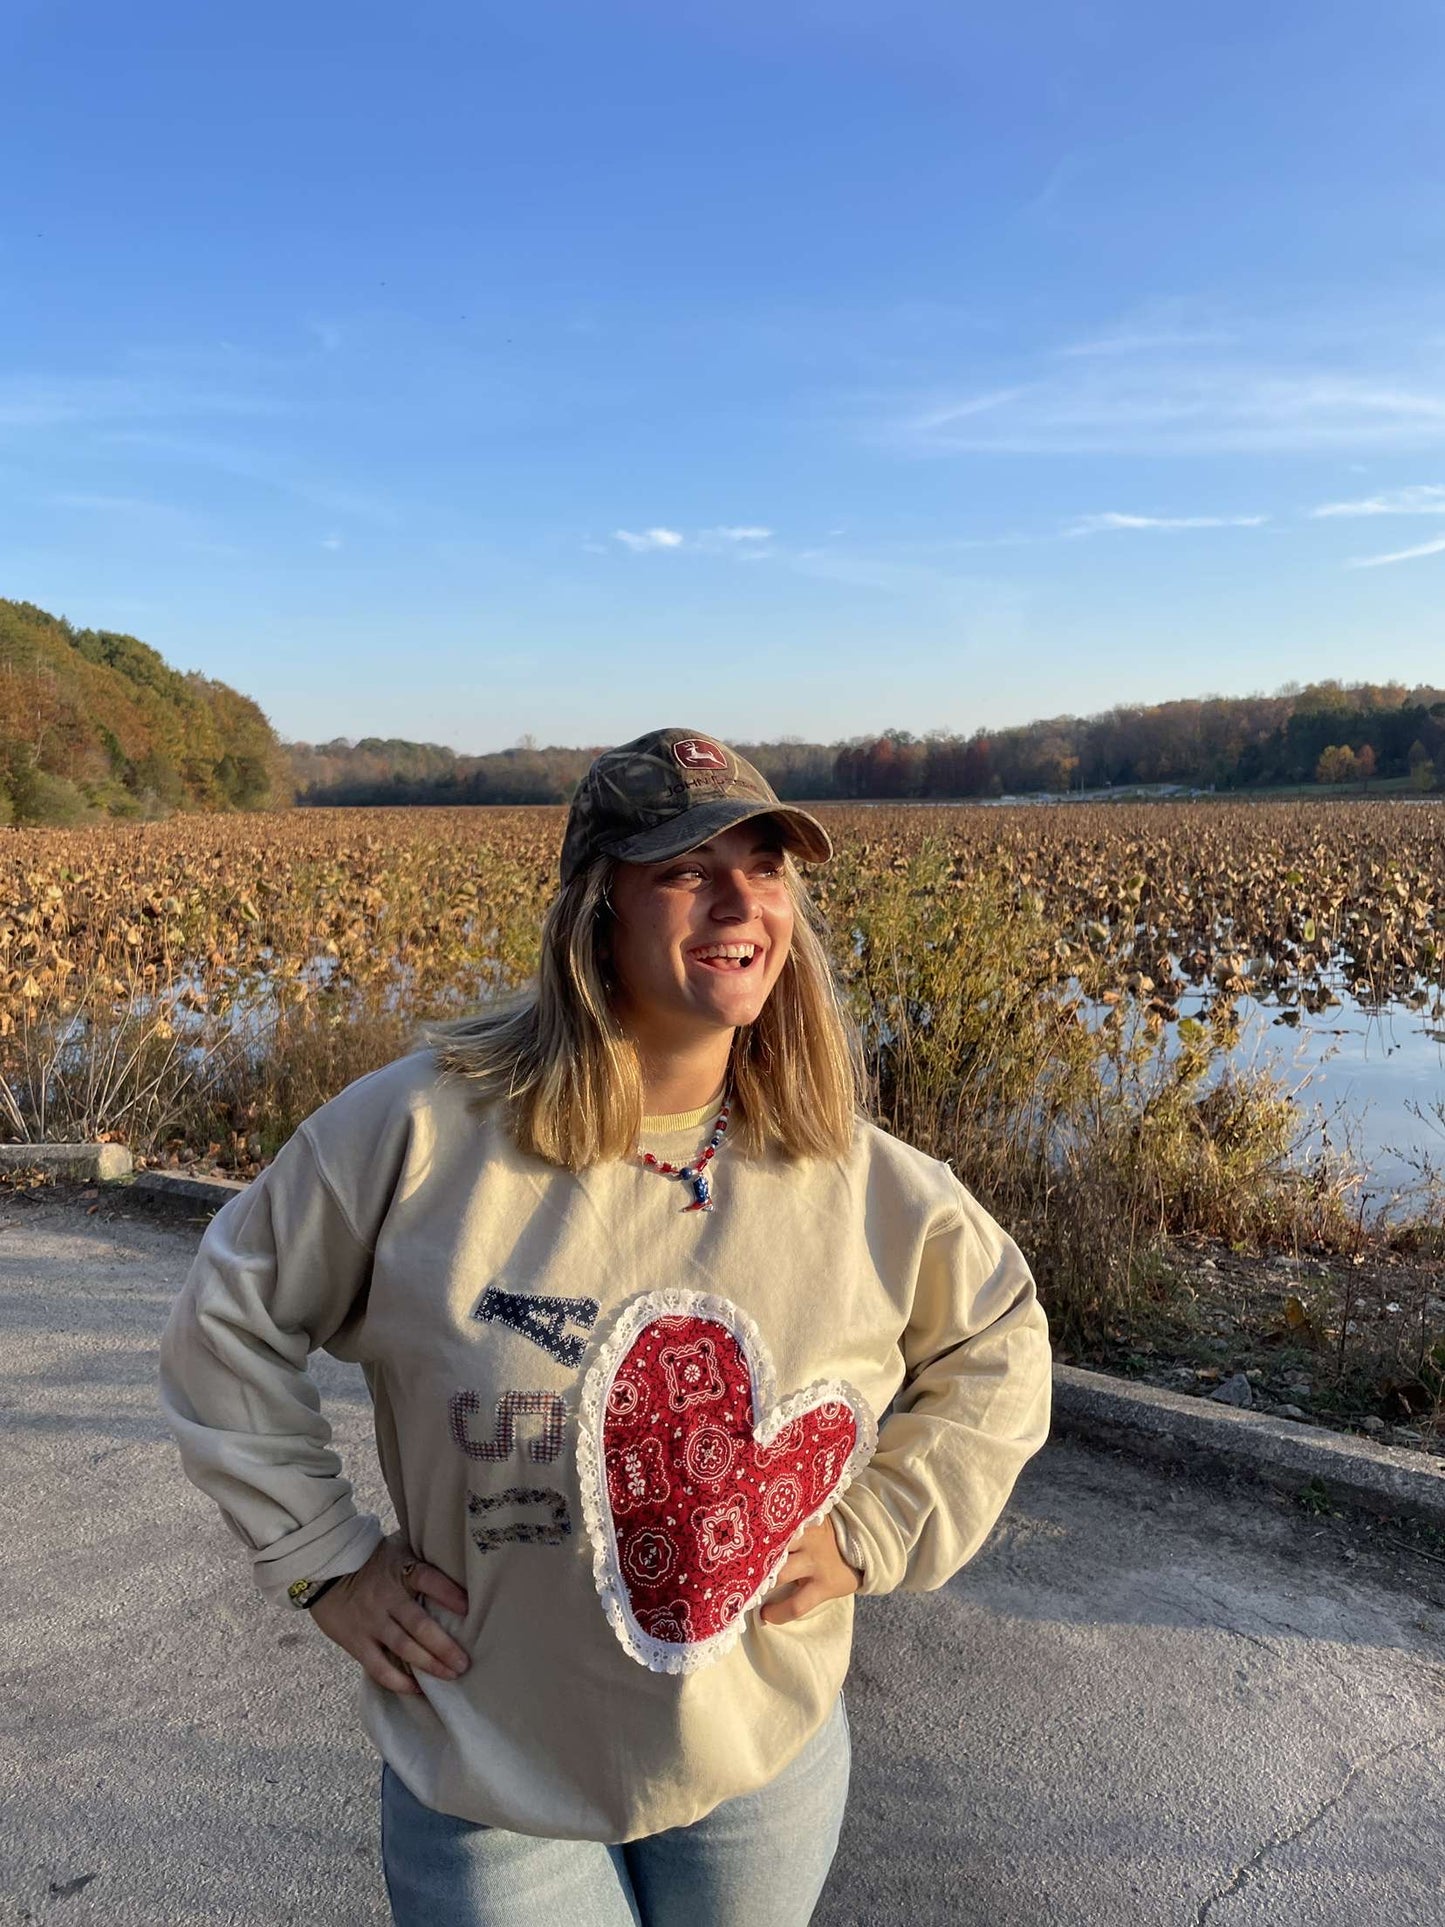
x=661, y=1655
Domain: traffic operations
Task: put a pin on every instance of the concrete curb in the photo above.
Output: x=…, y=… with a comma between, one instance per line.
x=175, y=1186
x=113, y=1164
x=82, y=1162
x=1150, y=1423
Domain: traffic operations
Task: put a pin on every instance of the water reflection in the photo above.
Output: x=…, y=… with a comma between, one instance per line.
x=1369, y=1081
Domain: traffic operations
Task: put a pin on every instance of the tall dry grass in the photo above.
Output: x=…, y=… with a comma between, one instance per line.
x=1093, y=1140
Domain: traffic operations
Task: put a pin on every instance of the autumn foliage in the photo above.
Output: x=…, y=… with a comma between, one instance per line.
x=96, y=725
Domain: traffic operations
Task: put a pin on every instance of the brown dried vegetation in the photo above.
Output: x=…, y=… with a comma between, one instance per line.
x=196, y=987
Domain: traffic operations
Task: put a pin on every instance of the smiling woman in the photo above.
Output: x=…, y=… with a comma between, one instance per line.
x=634, y=1444
x=674, y=845
x=697, y=945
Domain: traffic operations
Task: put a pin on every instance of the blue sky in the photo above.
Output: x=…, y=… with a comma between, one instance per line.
x=459, y=372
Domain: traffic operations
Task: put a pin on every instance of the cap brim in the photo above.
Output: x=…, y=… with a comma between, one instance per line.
x=804, y=835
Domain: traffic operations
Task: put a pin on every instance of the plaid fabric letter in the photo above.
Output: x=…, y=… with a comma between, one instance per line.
x=511, y=1406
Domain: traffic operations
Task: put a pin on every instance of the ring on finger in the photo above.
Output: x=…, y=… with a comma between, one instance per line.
x=406, y=1572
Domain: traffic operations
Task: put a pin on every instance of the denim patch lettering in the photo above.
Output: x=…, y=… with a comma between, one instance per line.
x=541, y=1318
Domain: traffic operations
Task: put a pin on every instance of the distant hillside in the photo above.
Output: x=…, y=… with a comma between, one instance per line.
x=97, y=725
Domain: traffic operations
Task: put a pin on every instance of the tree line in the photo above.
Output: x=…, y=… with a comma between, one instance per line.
x=96, y=724
x=1327, y=733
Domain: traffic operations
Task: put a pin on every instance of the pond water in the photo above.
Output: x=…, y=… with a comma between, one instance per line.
x=1369, y=1082
x=1366, y=1081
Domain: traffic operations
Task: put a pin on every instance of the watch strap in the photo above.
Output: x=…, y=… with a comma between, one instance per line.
x=306, y=1592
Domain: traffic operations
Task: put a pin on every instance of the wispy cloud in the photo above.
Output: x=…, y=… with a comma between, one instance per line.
x=948, y=414
x=1158, y=394
x=270, y=472
x=745, y=540
x=1058, y=178
x=35, y=401
x=1428, y=498
x=1437, y=547
x=140, y=518
x=114, y=504
x=933, y=583
x=1145, y=341
x=642, y=542
x=1100, y=524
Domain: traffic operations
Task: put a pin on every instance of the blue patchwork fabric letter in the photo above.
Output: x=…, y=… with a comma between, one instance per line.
x=542, y=1319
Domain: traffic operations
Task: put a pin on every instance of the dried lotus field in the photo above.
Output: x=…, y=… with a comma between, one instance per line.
x=1288, y=898
x=1292, y=898
x=195, y=987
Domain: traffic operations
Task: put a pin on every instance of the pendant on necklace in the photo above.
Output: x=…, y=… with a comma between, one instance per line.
x=701, y=1191
x=695, y=1174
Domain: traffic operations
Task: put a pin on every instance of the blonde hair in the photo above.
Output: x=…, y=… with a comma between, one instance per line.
x=557, y=1056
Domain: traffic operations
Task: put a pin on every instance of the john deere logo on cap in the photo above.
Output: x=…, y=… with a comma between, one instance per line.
x=696, y=752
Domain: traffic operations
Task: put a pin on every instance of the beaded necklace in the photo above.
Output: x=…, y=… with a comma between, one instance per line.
x=694, y=1174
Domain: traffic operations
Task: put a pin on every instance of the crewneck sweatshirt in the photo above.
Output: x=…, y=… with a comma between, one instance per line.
x=853, y=1336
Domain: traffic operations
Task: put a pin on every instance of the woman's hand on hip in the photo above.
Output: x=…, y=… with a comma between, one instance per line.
x=378, y=1617
x=817, y=1572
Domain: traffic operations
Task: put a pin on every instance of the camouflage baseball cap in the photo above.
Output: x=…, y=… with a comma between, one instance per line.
x=668, y=791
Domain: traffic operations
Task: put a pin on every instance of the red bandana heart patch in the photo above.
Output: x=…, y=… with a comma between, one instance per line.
x=694, y=1480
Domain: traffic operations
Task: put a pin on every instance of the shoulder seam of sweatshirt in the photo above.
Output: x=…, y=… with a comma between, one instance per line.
x=327, y=1180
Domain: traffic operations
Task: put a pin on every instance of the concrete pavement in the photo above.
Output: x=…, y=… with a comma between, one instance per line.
x=1149, y=1700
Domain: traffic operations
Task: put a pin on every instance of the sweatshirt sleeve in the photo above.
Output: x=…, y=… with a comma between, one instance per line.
x=279, y=1270
x=973, y=1408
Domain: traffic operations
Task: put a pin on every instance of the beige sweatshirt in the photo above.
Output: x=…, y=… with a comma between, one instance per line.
x=605, y=1416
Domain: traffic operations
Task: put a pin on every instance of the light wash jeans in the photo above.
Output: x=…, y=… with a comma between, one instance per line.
x=757, y=1861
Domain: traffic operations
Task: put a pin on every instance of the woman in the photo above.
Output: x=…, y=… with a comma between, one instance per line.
x=632, y=1282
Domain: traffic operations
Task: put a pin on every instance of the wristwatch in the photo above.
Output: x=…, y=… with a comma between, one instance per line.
x=306, y=1592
